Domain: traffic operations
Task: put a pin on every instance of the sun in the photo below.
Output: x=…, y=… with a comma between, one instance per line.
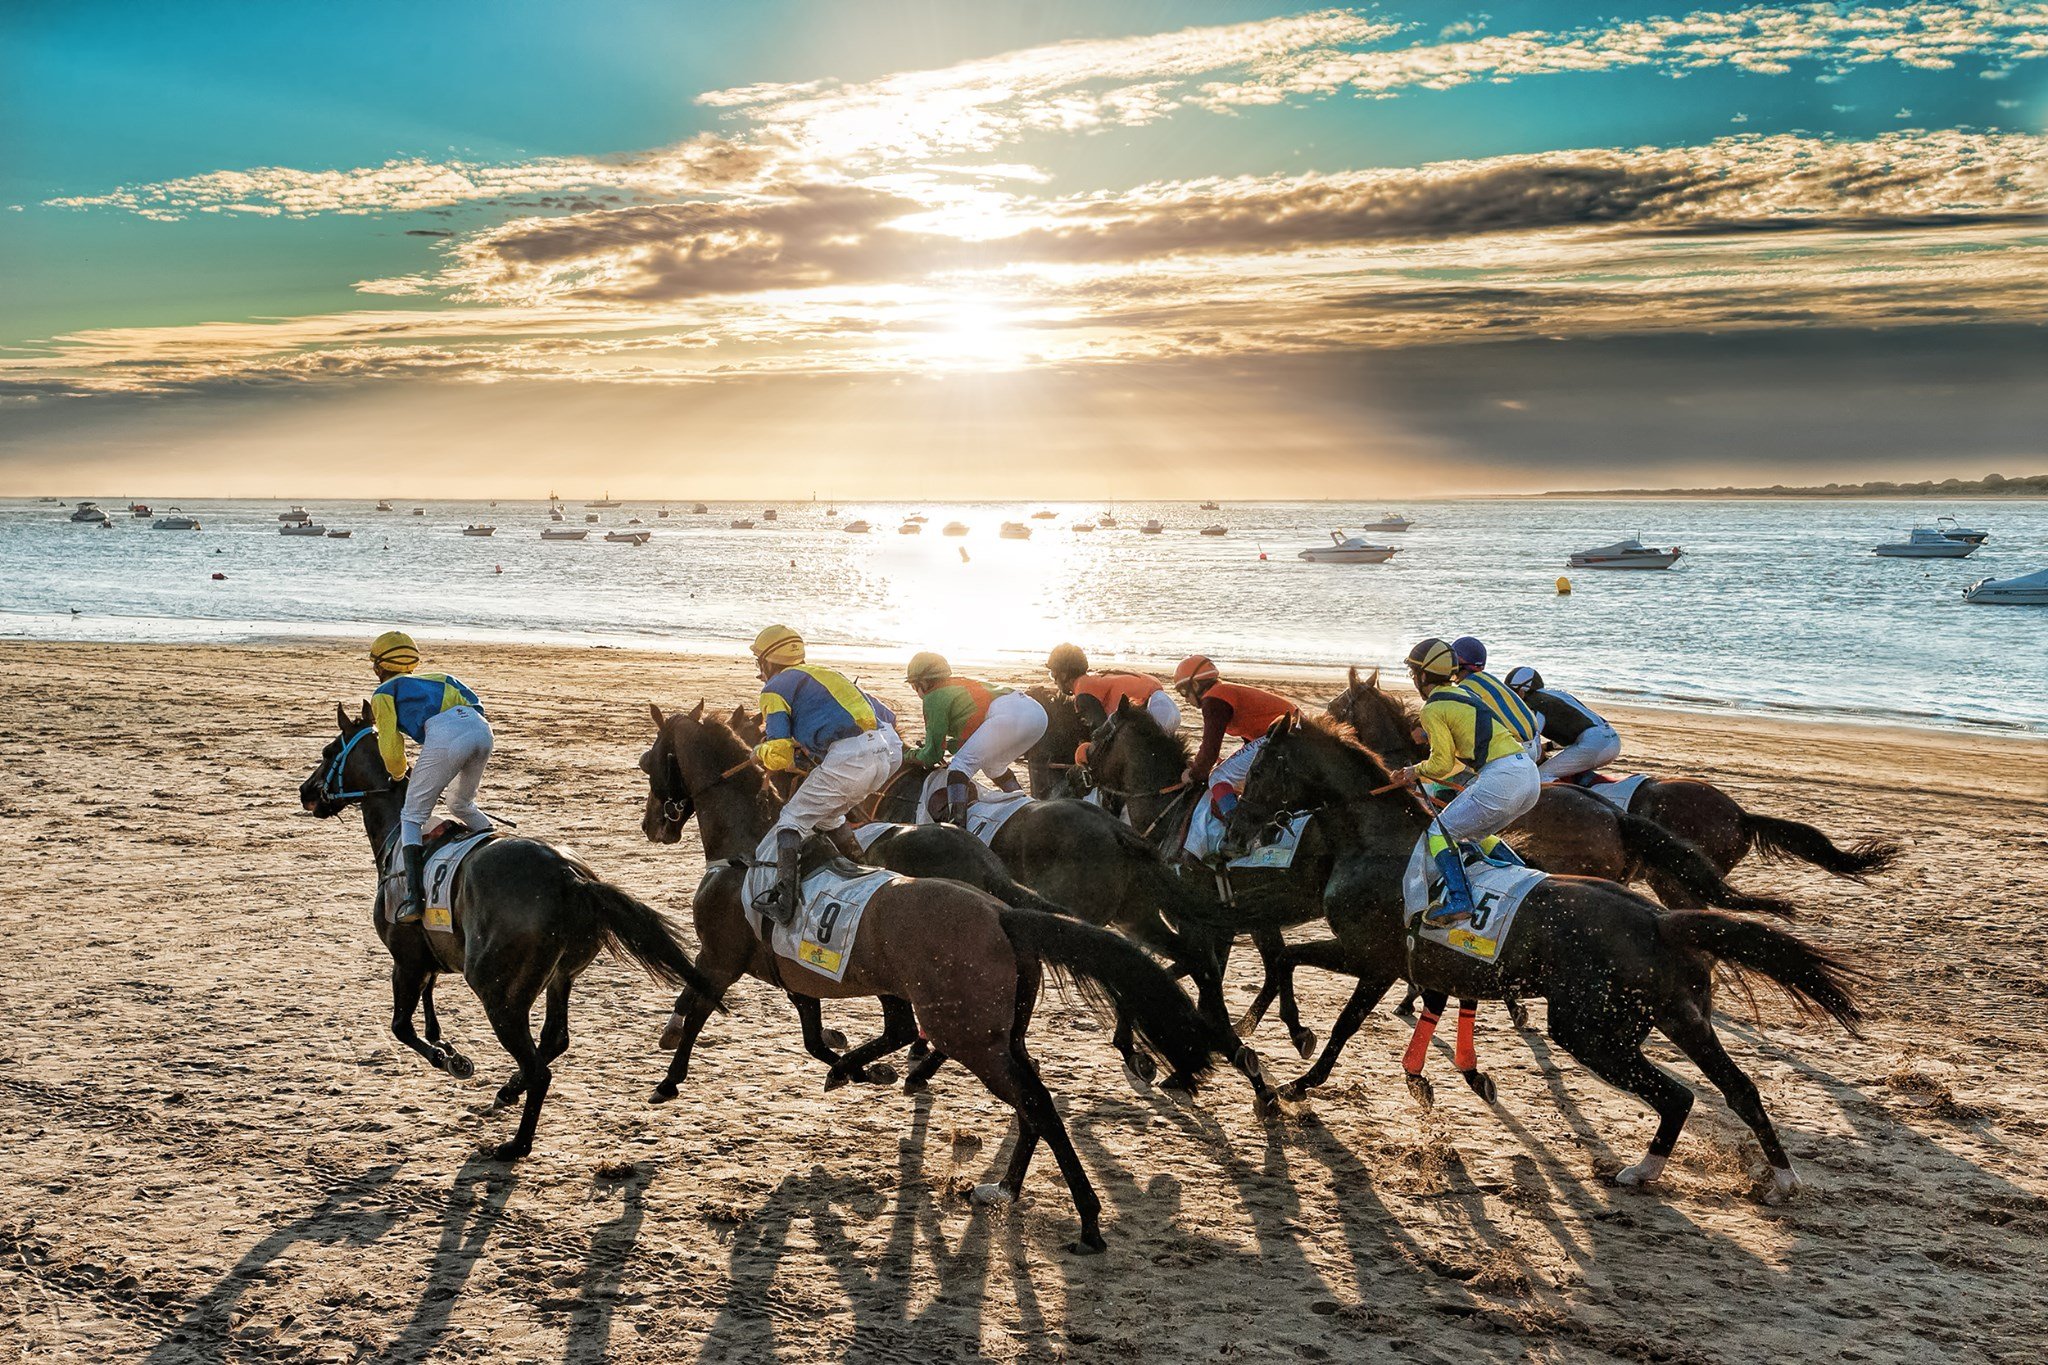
x=978, y=334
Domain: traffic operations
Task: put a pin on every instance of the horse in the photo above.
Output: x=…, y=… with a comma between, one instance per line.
x=913, y=850
x=1050, y=763
x=527, y=918
x=1571, y=828
x=1612, y=963
x=968, y=966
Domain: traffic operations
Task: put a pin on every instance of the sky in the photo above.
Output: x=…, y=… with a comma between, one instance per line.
x=1046, y=250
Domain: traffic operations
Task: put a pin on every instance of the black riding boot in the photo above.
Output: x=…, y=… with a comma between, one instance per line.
x=779, y=904
x=959, y=796
x=413, y=908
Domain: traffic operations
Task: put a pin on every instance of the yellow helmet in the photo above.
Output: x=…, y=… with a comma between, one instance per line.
x=1432, y=658
x=779, y=645
x=928, y=667
x=394, y=650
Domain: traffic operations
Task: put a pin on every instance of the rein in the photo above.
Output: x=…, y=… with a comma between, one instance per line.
x=678, y=808
x=332, y=775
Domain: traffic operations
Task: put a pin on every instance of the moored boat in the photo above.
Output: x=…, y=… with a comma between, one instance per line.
x=1082, y=526
x=910, y=528
x=1015, y=530
x=1043, y=516
x=479, y=530
x=384, y=505
x=855, y=528
x=562, y=533
x=1217, y=530
x=88, y=511
x=298, y=514
x=742, y=523
x=302, y=528
x=1212, y=507
x=629, y=537
x=174, y=524
x=2027, y=590
x=1344, y=549
x=1954, y=530
x=606, y=501
x=1151, y=528
x=139, y=509
x=698, y=509
x=1625, y=554
x=1389, y=521
x=340, y=535
x=1925, y=542
x=955, y=528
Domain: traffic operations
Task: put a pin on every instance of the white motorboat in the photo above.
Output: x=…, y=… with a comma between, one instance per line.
x=174, y=524
x=1083, y=526
x=1218, y=530
x=860, y=528
x=1389, y=521
x=419, y=511
x=663, y=514
x=88, y=511
x=562, y=533
x=1344, y=549
x=742, y=523
x=1625, y=554
x=555, y=514
x=302, y=528
x=1015, y=530
x=479, y=530
x=955, y=528
x=629, y=537
x=606, y=501
x=1043, y=516
x=339, y=535
x=1949, y=527
x=384, y=505
x=298, y=514
x=918, y=517
x=1925, y=542
x=1151, y=528
x=910, y=528
x=2028, y=590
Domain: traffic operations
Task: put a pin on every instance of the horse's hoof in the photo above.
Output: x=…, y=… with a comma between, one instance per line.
x=919, y=1049
x=663, y=1093
x=1138, y=1072
x=1642, y=1173
x=1481, y=1083
x=914, y=1084
x=1305, y=1042
x=1422, y=1091
x=510, y=1151
x=1091, y=1244
x=1406, y=1009
x=991, y=1195
x=1519, y=1013
x=507, y=1097
x=458, y=1066
x=1785, y=1183
x=1293, y=1092
x=881, y=1073
x=834, y=1039
x=834, y=1079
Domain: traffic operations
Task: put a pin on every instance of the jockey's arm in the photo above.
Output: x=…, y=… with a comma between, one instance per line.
x=1216, y=714
x=390, y=741
x=777, y=749
x=1443, y=745
x=938, y=729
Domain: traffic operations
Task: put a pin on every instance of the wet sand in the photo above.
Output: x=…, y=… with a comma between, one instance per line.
x=214, y=1150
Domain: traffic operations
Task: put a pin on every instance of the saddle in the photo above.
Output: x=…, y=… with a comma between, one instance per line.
x=448, y=846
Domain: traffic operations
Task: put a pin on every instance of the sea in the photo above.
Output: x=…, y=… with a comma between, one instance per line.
x=1775, y=606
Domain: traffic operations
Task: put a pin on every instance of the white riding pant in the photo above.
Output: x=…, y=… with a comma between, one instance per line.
x=1205, y=826
x=1015, y=722
x=454, y=747
x=1596, y=748
x=1502, y=792
x=852, y=770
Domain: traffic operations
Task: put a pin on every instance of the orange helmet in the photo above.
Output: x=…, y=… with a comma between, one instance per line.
x=1193, y=669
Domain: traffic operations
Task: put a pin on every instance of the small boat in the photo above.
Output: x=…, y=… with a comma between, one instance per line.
x=1015, y=530
x=296, y=514
x=1218, y=530
x=139, y=509
x=174, y=524
x=1043, y=516
x=1083, y=526
x=606, y=501
x=1389, y=521
x=1925, y=542
x=2028, y=590
x=1106, y=522
x=698, y=509
x=339, y=535
x=384, y=505
x=419, y=511
x=663, y=514
x=556, y=515
x=494, y=502
x=590, y=518
x=910, y=528
x=742, y=523
x=769, y=514
x=955, y=528
x=88, y=511
x=634, y=521
x=855, y=528
x=1625, y=554
x=1949, y=527
x=479, y=530
x=302, y=528
x=629, y=537
x=1151, y=528
x=1212, y=507
x=918, y=517
x=562, y=533
x=1344, y=549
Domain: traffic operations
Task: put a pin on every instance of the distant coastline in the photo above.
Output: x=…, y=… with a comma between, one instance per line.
x=1990, y=486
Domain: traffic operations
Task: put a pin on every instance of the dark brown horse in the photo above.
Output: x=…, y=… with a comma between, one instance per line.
x=968, y=966
x=1612, y=964
x=1571, y=829
x=528, y=918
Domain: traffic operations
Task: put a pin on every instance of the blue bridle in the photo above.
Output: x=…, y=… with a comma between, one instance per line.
x=332, y=774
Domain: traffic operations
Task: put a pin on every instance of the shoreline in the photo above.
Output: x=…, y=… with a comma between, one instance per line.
x=1315, y=683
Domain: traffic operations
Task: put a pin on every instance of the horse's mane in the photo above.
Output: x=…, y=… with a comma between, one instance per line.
x=1340, y=732
x=1410, y=713
x=1147, y=725
x=734, y=750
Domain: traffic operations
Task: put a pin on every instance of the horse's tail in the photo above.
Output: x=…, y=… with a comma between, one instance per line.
x=1139, y=990
x=634, y=929
x=1680, y=859
x=1817, y=981
x=1771, y=837
x=1018, y=896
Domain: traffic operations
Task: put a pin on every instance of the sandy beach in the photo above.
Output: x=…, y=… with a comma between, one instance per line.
x=216, y=1151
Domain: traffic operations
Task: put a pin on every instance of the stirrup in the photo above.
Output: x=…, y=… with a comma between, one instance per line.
x=1445, y=915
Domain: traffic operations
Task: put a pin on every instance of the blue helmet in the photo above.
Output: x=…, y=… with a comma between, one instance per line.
x=1471, y=653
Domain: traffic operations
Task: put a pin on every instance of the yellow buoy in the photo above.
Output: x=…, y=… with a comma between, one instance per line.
x=1564, y=587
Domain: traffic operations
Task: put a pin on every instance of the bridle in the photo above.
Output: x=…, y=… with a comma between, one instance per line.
x=331, y=775
x=678, y=809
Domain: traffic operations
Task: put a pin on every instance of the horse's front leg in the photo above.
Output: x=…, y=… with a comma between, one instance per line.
x=410, y=984
x=692, y=1009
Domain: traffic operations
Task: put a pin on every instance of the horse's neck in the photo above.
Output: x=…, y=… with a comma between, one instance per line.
x=380, y=818
x=1354, y=819
x=733, y=823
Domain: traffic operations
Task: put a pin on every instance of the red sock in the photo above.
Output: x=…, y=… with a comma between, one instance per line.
x=1464, y=1053
x=1418, y=1045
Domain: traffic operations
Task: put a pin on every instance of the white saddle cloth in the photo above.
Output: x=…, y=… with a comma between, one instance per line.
x=442, y=864
x=1620, y=793
x=827, y=920
x=1497, y=894
x=1277, y=852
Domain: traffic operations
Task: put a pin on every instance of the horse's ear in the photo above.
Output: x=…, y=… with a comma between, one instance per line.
x=654, y=710
x=1123, y=706
x=1372, y=682
x=738, y=716
x=697, y=713
x=1280, y=728
x=367, y=718
x=1354, y=677
x=341, y=716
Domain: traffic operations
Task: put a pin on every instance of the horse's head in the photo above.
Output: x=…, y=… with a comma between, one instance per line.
x=1131, y=757
x=1384, y=723
x=1065, y=731
x=1307, y=764
x=349, y=769
x=691, y=754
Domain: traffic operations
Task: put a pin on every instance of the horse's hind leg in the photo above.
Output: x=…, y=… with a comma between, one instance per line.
x=899, y=1029
x=1695, y=1036
x=1367, y=994
x=515, y=1032
x=554, y=1041
x=1611, y=1047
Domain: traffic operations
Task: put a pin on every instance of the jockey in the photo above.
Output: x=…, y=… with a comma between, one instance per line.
x=1475, y=721
x=1584, y=741
x=1227, y=709
x=1097, y=694
x=846, y=737
x=1470, y=652
x=984, y=728
x=446, y=720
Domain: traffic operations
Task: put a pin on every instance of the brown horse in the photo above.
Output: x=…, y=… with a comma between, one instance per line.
x=969, y=966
